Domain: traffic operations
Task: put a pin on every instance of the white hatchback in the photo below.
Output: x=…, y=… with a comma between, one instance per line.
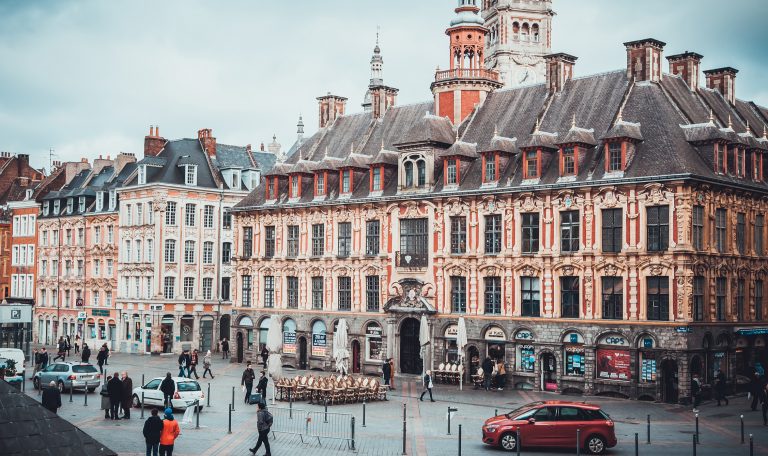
x=187, y=391
x=17, y=355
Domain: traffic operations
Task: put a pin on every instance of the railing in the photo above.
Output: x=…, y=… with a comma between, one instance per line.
x=411, y=260
x=468, y=73
x=314, y=424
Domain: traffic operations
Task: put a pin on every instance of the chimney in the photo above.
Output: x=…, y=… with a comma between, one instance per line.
x=153, y=143
x=22, y=163
x=644, y=59
x=261, y=147
x=559, y=70
x=724, y=81
x=248, y=148
x=122, y=159
x=100, y=164
x=207, y=141
x=687, y=66
x=331, y=108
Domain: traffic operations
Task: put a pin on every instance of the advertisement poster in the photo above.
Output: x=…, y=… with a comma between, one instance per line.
x=527, y=358
x=318, y=344
x=648, y=370
x=289, y=343
x=613, y=364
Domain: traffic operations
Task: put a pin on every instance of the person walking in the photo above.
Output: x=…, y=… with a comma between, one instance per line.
x=487, y=372
x=169, y=434
x=37, y=357
x=43, y=358
x=184, y=360
x=263, y=424
x=386, y=371
x=168, y=387
x=696, y=392
x=224, y=349
x=68, y=343
x=207, y=364
x=193, y=364
x=720, y=387
x=127, y=397
x=85, y=355
x=501, y=374
x=755, y=389
x=77, y=343
x=391, y=374
x=261, y=388
x=115, y=390
x=101, y=358
x=51, y=397
x=61, y=350
x=264, y=356
x=427, y=380
x=765, y=404
x=106, y=354
x=105, y=398
x=247, y=381
x=153, y=428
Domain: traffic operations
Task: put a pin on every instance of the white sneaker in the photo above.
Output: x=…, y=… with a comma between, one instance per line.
x=695, y=410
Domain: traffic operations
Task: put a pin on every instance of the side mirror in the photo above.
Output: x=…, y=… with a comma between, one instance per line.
x=531, y=420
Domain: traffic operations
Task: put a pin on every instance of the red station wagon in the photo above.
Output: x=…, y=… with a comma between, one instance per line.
x=552, y=424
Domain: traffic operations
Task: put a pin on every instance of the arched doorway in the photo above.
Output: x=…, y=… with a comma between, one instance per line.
x=239, y=347
x=224, y=323
x=302, y=352
x=473, y=356
x=355, y=357
x=410, y=357
x=669, y=380
x=548, y=367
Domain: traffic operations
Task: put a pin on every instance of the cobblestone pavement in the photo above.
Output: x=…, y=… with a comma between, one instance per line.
x=671, y=431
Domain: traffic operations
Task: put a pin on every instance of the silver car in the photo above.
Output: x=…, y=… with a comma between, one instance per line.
x=69, y=376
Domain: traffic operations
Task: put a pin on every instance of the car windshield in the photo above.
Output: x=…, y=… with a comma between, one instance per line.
x=87, y=369
x=188, y=386
x=522, y=409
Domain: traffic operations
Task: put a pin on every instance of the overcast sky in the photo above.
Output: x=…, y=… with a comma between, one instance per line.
x=89, y=77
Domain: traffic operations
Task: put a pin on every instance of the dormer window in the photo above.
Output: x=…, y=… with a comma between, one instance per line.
x=376, y=178
x=56, y=207
x=320, y=184
x=70, y=205
x=190, y=175
x=757, y=166
x=28, y=194
x=235, y=184
x=346, y=180
x=531, y=168
x=490, y=167
x=568, y=158
x=81, y=204
x=740, y=168
x=142, y=174
x=99, y=201
x=45, y=207
x=415, y=170
x=452, y=171
x=271, y=189
x=112, y=200
x=614, y=156
x=295, y=187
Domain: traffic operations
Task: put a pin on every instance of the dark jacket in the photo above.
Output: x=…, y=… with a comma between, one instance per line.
x=720, y=383
x=263, y=420
x=152, y=429
x=168, y=386
x=386, y=369
x=185, y=360
x=51, y=398
x=115, y=389
x=695, y=387
x=127, y=396
x=248, y=376
x=62, y=346
x=101, y=356
x=262, y=384
x=487, y=366
x=37, y=358
x=85, y=355
x=427, y=380
x=225, y=346
x=44, y=358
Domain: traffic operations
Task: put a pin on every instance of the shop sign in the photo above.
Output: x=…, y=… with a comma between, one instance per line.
x=495, y=334
x=752, y=331
x=683, y=329
x=451, y=331
x=574, y=349
x=100, y=312
x=524, y=334
x=613, y=364
x=289, y=343
x=647, y=342
x=318, y=344
x=82, y=315
x=79, y=302
x=573, y=338
x=613, y=339
x=373, y=331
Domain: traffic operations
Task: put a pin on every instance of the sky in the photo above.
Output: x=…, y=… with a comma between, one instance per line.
x=87, y=78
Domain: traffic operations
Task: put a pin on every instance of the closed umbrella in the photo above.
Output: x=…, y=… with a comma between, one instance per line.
x=424, y=341
x=340, y=350
x=274, y=346
x=461, y=342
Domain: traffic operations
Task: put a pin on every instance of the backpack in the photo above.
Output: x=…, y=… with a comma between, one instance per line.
x=268, y=418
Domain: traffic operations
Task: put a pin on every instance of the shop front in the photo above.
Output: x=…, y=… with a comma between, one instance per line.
x=574, y=364
x=751, y=354
x=647, y=368
x=289, y=342
x=525, y=359
x=319, y=345
x=613, y=365
x=495, y=340
x=166, y=333
x=374, y=348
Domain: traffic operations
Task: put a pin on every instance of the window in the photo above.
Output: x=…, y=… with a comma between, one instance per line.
x=719, y=158
x=140, y=214
x=110, y=235
x=759, y=223
x=569, y=161
x=615, y=162
x=697, y=235
x=95, y=298
x=372, y=293
x=413, y=242
x=150, y=250
x=318, y=239
x=317, y=293
x=208, y=252
x=345, y=239
x=345, y=293
x=741, y=232
x=376, y=178
x=150, y=214
x=269, y=241
x=698, y=298
x=530, y=296
x=613, y=298
x=493, y=234
x=170, y=251
x=490, y=168
x=569, y=297
x=226, y=221
x=142, y=177
x=70, y=205
x=295, y=187
x=170, y=213
x=139, y=251
x=81, y=236
x=189, y=252
x=740, y=289
x=168, y=287
x=459, y=235
x=190, y=174
x=414, y=168
x=292, y=288
x=758, y=300
x=458, y=294
x=269, y=291
x=658, y=228
x=46, y=207
x=346, y=177
x=190, y=211
x=720, y=230
x=721, y=289
x=208, y=217
x=372, y=233
x=530, y=227
x=531, y=164
x=112, y=200
x=451, y=172
x=225, y=288
x=247, y=242
x=97, y=235
x=127, y=252
x=226, y=252
x=246, y=288
x=207, y=288
x=81, y=204
x=569, y=231
x=658, y=298
x=320, y=184
x=493, y=295
x=148, y=288
x=613, y=238
x=293, y=241
x=189, y=287
x=110, y=267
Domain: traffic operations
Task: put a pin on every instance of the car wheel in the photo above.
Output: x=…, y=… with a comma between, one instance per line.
x=60, y=385
x=136, y=403
x=36, y=383
x=508, y=442
x=596, y=444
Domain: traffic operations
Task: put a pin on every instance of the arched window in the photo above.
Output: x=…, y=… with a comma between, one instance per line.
x=263, y=331
x=415, y=171
x=408, y=167
x=422, y=169
x=525, y=32
x=535, y=32
x=515, y=31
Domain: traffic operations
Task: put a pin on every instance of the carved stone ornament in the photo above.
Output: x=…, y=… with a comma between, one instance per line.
x=656, y=269
x=456, y=207
x=410, y=299
x=610, y=269
x=527, y=271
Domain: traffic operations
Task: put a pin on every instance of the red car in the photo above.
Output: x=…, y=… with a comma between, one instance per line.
x=552, y=424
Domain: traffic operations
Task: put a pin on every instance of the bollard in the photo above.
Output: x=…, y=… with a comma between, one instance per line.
x=233, y=398
x=694, y=444
x=403, y=428
x=86, y=394
x=363, y=412
x=697, y=428
x=197, y=413
x=495, y=412
x=459, y=440
x=742, y=429
x=142, y=405
x=208, y=403
x=518, y=440
x=290, y=406
x=578, y=442
x=230, y=419
x=449, y=417
x=648, y=432
x=70, y=392
x=142, y=379
x=24, y=385
x=353, y=432
x=325, y=419
x=751, y=446
x=637, y=450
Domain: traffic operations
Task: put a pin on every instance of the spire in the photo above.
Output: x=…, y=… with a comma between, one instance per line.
x=538, y=124
x=621, y=111
x=573, y=121
x=300, y=130
x=711, y=116
x=377, y=64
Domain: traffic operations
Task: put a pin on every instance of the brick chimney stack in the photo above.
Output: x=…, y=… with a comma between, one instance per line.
x=559, y=70
x=153, y=143
x=686, y=65
x=22, y=163
x=331, y=108
x=644, y=59
x=207, y=141
x=724, y=81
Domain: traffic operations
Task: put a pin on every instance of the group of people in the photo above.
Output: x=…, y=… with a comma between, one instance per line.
x=247, y=380
x=188, y=364
x=494, y=374
x=161, y=433
x=758, y=392
x=117, y=395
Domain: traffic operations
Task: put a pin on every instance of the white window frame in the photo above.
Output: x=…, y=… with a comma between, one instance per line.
x=190, y=175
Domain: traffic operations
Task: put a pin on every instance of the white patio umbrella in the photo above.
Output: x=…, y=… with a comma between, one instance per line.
x=424, y=341
x=340, y=350
x=461, y=342
x=274, y=345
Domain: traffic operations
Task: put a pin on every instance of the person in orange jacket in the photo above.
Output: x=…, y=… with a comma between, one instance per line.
x=170, y=432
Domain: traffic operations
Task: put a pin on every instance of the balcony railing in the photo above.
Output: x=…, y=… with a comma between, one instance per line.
x=466, y=73
x=411, y=260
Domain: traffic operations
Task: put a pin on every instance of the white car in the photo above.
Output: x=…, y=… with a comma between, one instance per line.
x=17, y=355
x=187, y=391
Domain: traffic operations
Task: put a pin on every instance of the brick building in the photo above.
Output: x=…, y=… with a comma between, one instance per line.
x=601, y=234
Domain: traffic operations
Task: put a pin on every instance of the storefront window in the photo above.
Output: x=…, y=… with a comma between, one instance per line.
x=373, y=344
x=451, y=348
x=92, y=329
x=263, y=331
x=137, y=328
x=574, y=361
x=496, y=340
x=613, y=358
x=526, y=357
x=318, y=338
x=647, y=359
x=102, y=330
x=187, y=323
x=289, y=337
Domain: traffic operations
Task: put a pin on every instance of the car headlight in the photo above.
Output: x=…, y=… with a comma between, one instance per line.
x=491, y=429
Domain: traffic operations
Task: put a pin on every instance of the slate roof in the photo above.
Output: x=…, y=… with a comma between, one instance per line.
x=27, y=428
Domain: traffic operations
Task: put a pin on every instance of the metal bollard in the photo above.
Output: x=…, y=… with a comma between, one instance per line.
x=142, y=405
x=70, y=392
x=697, y=428
x=353, y=432
x=403, y=428
x=694, y=444
x=290, y=406
x=751, y=446
x=233, y=398
x=495, y=412
x=742, y=429
x=648, y=432
x=197, y=413
x=24, y=384
x=578, y=442
x=86, y=394
x=142, y=379
x=517, y=431
x=325, y=419
x=637, y=450
x=208, y=399
x=363, y=412
x=230, y=419
x=450, y=409
x=459, y=440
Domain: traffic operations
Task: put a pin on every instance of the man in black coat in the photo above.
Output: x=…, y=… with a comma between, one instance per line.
x=184, y=361
x=126, y=399
x=43, y=358
x=224, y=349
x=386, y=370
x=247, y=381
x=168, y=387
x=115, y=391
x=487, y=372
x=755, y=389
x=85, y=355
x=261, y=387
x=51, y=397
x=153, y=427
x=101, y=358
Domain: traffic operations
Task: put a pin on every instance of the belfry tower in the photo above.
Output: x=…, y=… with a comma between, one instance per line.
x=466, y=83
x=379, y=97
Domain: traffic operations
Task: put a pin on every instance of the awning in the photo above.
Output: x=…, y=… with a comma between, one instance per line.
x=758, y=331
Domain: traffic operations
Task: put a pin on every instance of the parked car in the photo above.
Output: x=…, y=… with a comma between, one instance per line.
x=69, y=376
x=552, y=424
x=187, y=391
x=16, y=355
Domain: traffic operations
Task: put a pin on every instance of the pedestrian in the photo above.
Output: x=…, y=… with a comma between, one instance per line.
x=764, y=398
x=427, y=380
x=720, y=387
x=263, y=424
x=127, y=397
x=696, y=392
x=68, y=344
x=386, y=371
x=261, y=388
x=153, y=428
x=391, y=374
x=193, y=364
x=85, y=355
x=755, y=388
x=169, y=434
x=115, y=390
x=247, y=381
x=487, y=372
x=264, y=356
x=38, y=362
x=77, y=343
x=43, y=358
x=168, y=387
x=224, y=349
x=501, y=374
x=106, y=356
x=61, y=350
x=101, y=359
x=207, y=364
x=184, y=364
x=51, y=397
x=105, y=398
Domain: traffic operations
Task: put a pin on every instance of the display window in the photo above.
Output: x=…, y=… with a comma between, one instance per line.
x=374, y=348
x=574, y=360
x=526, y=358
x=289, y=337
x=496, y=339
x=318, y=338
